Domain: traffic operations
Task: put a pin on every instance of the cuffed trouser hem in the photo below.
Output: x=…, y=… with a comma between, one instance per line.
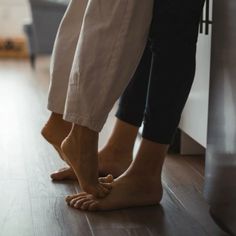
x=160, y=134
x=157, y=132
x=111, y=43
x=56, y=108
x=92, y=124
x=158, y=138
x=130, y=116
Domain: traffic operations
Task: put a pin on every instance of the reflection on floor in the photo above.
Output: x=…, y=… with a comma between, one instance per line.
x=33, y=205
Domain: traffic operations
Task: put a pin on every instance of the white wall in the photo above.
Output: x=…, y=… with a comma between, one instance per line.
x=195, y=114
x=13, y=14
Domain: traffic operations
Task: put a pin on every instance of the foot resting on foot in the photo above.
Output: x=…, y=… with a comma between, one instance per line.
x=127, y=191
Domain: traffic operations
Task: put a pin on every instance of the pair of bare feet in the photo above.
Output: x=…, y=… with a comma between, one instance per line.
x=137, y=184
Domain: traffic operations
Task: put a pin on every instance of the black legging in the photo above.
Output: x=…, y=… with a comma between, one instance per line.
x=161, y=84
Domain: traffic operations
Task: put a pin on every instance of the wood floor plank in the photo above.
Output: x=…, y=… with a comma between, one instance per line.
x=12, y=161
x=52, y=217
x=187, y=186
x=41, y=161
x=35, y=157
x=31, y=204
x=168, y=219
x=15, y=209
x=197, y=162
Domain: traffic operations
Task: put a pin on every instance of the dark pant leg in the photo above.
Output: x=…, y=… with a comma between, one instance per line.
x=174, y=35
x=133, y=100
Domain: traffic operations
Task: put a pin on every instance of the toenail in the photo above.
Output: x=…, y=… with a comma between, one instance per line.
x=71, y=203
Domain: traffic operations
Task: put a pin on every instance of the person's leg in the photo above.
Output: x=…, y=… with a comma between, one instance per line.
x=172, y=73
x=117, y=154
x=115, y=157
x=139, y=185
x=56, y=129
x=112, y=42
x=173, y=68
x=132, y=103
x=63, y=54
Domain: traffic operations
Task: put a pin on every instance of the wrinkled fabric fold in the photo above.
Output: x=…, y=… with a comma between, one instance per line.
x=97, y=50
x=63, y=54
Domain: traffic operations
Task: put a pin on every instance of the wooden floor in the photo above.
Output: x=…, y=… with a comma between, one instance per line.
x=30, y=204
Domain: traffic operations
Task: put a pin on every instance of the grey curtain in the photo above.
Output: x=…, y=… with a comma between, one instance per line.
x=220, y=185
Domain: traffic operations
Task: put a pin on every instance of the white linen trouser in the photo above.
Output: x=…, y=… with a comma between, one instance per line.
x=97, y=50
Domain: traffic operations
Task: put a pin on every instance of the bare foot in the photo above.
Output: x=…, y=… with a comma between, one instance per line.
x=113, y=161
x=55, y=131
x=80, y=149
x=127, y=191
x=66, y=173
x=110, y=161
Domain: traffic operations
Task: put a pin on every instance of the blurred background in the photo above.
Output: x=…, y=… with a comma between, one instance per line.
x=28, y=28
x=15, y=13
x=199, y=173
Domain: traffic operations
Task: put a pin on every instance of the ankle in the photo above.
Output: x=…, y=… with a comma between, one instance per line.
x=79, y=131
x=57, y=119
x=119, y=150
x=56, y=123
x=144, y=173
x=56, y=129
x=123, y=137
x=82, y=139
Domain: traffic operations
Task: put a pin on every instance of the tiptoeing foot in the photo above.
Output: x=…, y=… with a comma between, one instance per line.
x=80, y=149
x=55, y=131
x=110, y=161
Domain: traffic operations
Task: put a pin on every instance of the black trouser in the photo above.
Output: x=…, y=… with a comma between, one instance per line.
x=158, y=91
